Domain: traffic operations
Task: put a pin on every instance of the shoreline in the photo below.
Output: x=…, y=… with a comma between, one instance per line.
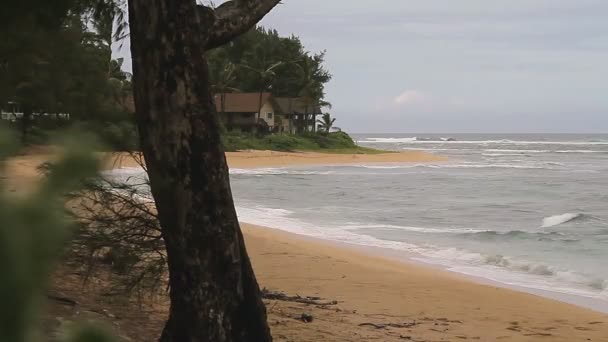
x=273, y=159
x=372, y=285
x=381, y=285
x=409, y=259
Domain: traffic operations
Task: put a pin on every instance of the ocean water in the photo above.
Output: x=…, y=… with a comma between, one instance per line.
x=529, y=211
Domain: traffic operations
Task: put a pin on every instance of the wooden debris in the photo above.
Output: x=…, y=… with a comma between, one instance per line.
x=389, y=325
x=273, y=295
x=63, y=300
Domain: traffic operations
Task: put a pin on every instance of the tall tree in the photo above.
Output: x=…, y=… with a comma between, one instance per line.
x=214, y=293
x=58, y=67
x=262, y=48
x=265, y=74
x=223, y=79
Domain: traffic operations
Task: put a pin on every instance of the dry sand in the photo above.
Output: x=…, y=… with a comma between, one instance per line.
x=258, y=159
x=407, y=302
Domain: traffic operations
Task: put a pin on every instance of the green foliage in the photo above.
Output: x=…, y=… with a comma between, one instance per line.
x=52, y=61
x=121, y=259
x=334, y=142
x=267, y=61
x=326, y=122
x=115, y=135
x=33, y=231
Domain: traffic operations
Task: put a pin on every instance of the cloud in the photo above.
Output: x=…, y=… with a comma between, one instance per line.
x=409, y=97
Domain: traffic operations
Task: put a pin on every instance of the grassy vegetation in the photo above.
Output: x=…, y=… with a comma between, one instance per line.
x=337, y=142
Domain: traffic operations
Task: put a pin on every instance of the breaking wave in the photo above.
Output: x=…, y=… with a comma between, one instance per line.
x=556, y=220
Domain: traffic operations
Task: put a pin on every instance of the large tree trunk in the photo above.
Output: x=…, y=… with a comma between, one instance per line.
x=214, y=294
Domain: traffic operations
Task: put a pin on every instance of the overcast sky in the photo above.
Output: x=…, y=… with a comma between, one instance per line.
x=435, y=66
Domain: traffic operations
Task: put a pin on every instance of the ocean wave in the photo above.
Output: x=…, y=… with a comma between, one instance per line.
x=352, y=227
x=527, y=151
x=495, y=166
x=580, y=151
x=283, y=220
x=520, y=234
x=373, y=140
x=437, y=149
x=500, y=268
x=541, y=269
x=506, y=269
x=515, y=151
x=468, y=233
x=522, y=266
x=557, y=220
x=503, y=154
x=276, y=172
x=458, y=166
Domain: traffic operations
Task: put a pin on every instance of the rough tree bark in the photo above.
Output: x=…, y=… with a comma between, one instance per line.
x=214, y=294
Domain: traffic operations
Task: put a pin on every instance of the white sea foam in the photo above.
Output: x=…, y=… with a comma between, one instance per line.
x=434, y=149
x=581, y=151
x=518, y=272
x=494, y=267
x=495, y=166
x=502, y=154
x=556, y=220
x=541, y=151
x=500, y=150
x=283, y=220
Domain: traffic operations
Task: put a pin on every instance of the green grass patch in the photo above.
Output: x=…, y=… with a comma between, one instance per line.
x=336, y=142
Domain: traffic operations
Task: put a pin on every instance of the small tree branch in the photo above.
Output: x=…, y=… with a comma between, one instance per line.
x=234, y=18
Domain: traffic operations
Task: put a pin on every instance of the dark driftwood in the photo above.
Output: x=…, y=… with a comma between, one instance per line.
x=388, y=325
x=62, y=300
x=273, y=295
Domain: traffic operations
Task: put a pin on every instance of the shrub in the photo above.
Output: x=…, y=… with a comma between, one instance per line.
x=304, y=142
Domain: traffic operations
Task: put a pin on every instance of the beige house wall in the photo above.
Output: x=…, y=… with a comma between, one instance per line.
x=285, y=123
x=268, y=108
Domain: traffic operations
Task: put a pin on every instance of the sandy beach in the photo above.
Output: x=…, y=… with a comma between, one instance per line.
x=258, y=159
x=447, y=307
x=378, y=298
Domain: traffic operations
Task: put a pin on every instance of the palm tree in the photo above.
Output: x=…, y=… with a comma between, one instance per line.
x=265, y=74
x=263, y=64
x=311, y=89
x=120, y=82
x=326, y=122
x=224, y=78
x=308, y=87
